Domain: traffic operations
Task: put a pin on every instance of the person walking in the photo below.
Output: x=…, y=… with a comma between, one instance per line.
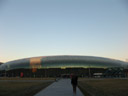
x=74, y=80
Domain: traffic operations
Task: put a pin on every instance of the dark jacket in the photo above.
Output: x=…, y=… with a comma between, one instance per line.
x=74, y=80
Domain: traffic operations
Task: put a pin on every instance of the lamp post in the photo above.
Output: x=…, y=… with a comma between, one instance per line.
x=89, y=71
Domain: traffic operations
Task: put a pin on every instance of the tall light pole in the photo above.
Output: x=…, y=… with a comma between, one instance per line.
x=89, y=71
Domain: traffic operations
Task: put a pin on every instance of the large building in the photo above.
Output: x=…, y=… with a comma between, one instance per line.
x=52, y=66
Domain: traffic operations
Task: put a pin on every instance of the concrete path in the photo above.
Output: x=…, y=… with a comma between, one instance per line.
x=61, y=88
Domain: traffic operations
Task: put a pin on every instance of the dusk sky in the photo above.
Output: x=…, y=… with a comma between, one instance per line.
x=30, y=28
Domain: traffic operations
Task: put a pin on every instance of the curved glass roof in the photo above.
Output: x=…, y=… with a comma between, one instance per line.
x=63, y=62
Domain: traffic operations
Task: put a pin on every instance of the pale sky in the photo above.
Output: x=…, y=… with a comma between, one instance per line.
x=30, y=28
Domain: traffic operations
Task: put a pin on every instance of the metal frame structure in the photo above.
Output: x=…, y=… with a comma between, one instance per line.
x=52, y=66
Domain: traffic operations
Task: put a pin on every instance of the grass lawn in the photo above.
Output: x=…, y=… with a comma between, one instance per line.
x=105, y=87
x=21, y=88
x=18, y=78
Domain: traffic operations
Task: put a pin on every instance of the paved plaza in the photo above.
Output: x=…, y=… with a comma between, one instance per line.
x=62, y=87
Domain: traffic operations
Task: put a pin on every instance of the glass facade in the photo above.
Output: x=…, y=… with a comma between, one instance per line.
x=63, y=62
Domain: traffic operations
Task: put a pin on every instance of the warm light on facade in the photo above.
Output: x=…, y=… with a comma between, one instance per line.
x=35, y=62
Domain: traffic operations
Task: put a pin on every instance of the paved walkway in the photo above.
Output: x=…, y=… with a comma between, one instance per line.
x=61, y=88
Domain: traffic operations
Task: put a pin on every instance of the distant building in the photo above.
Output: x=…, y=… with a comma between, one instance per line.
x=1, y=63
x=55, y=66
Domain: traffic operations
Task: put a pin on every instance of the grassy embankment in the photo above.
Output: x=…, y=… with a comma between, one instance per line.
x=105, y=87
x=21, y=88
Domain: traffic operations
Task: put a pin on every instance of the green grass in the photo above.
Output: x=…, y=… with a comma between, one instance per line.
x=18, y=78
x=106, y=87
x=21, y=88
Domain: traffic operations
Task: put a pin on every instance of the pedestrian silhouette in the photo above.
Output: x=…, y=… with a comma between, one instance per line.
x=74, y=80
